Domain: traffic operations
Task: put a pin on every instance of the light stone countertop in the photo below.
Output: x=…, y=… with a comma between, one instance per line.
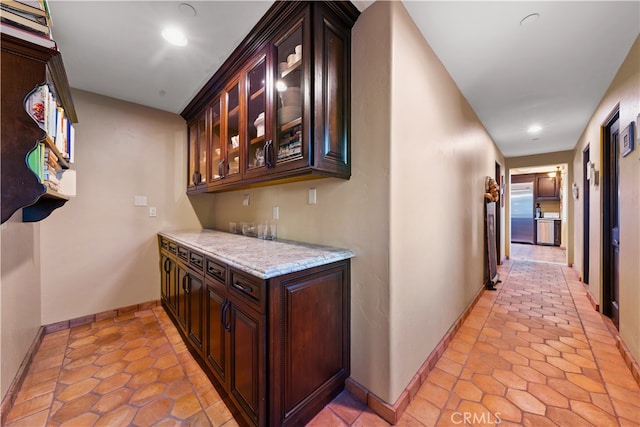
x=261, y=258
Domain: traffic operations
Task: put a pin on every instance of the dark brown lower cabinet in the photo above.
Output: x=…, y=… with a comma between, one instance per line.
x=278, y=348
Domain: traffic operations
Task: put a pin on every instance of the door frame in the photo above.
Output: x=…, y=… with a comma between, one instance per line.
x=586, y=213
x=609, y=195
x=499, y=180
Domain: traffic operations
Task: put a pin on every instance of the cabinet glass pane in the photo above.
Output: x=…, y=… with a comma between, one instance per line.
x=233, y=130
x=216, y=143
x=193, y=153
x=289, y=103
x=256, y=114
x=202, y=149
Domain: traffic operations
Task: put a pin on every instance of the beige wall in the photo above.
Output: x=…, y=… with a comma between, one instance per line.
x=624, y=92
x=440, y=157
x=19, y=294
x=99, y=252
x=412, y=210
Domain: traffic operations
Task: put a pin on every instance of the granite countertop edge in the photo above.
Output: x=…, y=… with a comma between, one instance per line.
x=264, y=259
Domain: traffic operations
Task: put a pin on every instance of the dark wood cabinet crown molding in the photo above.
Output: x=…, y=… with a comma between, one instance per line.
x=274, y=19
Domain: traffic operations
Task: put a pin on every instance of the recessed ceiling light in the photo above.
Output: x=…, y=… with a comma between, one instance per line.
x=174, y=36
x=534, y=129
x=529, y=19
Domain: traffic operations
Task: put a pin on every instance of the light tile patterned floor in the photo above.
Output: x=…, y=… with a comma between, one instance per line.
x=539, y=253
x=533, y=353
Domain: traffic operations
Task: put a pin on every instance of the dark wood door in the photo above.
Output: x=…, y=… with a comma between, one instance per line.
x=611, y=217
x=194, y=290
x=247, y=363
x=216, y=310
x=499, y=205
x=586, y=196
x=181, y=296
x=309, y=333
x=332, y=98
x=168, y=281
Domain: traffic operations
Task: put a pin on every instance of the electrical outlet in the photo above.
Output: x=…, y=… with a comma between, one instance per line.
x=312, y=196
x=276, y=212
x=152, y=211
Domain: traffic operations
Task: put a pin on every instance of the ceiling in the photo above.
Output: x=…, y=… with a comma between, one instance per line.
x=551, y=72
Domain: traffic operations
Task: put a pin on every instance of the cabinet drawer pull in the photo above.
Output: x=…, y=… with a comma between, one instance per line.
x=239, y=286
x=214, y=271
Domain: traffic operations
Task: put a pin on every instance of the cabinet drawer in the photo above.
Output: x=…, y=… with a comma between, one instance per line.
x=196, y=261
x=173, y=248
x=216, y=270
x=250, y=288
x=164, y=244
x=183, y=253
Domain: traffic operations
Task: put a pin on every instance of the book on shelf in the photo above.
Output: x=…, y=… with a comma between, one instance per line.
x=30, y=36
x=35, y=7
x=25, y=20
x=45, y=111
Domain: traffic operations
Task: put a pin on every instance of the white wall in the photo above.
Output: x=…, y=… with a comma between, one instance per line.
x=19, y=294
x=624, y=92
x=99, y=252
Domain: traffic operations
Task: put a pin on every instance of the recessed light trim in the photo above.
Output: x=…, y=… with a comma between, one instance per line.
x=529, y=19
x=174, y=36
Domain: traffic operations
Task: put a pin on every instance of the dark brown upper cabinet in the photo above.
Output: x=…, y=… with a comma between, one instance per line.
x=26, y=66
x=547, y=187
x=282, y=102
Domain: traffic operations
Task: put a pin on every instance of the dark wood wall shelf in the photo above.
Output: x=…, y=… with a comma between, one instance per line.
x=24, y=67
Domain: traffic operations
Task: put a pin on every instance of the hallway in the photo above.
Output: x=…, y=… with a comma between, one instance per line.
x=533, y=353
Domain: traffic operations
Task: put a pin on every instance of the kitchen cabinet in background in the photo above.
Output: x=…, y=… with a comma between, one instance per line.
x=547, y=187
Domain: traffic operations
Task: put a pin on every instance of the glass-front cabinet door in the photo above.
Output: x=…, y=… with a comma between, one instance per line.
x=232, y=133
x=215, y=127
x=288, y=149
x=197, y=171
x=257, y=116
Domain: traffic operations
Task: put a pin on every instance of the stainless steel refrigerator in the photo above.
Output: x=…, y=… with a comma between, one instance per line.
x=522, y=221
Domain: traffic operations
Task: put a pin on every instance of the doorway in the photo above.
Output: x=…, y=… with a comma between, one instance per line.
x=585, y=214
x=611, y=220
x=498, y=179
